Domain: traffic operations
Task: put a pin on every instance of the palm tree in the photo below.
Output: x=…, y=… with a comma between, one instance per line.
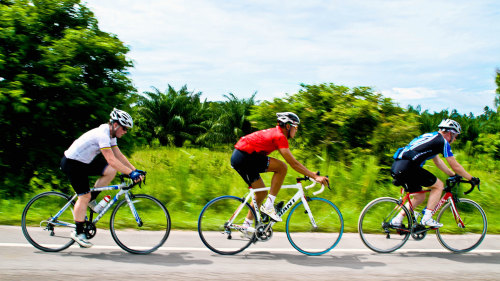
x=228, y=121
x=172, y=117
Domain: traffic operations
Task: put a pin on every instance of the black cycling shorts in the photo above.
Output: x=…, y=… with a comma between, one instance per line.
x=79, y=172
x=415, y=177
x=249, y=166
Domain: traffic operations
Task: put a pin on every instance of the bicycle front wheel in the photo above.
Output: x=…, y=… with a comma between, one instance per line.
x=375, y=229
x=460, y=239
x=41, y=228
x=218, y=233
x=314, y=240
x=141, y=227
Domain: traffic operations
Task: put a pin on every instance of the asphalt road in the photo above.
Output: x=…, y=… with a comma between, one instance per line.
x=184, y=257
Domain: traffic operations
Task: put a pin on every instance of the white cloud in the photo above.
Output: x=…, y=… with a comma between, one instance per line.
x=443, y=99
x=217, y=47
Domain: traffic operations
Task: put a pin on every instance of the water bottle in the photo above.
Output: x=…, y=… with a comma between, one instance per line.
x=98, y=208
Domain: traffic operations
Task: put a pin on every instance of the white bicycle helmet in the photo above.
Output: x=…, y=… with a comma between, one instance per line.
x=450, y=125
x=288, y=118
x=122, y=117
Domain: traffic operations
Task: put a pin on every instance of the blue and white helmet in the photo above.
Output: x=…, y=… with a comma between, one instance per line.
x=122, y=117
x=450, y=125
x=288, y=118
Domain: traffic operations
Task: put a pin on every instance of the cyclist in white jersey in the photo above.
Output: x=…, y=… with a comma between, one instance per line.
x=80, y=161
x=407, y=167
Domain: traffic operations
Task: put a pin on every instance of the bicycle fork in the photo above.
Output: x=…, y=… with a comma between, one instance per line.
x=132, y=209
x=456, y=215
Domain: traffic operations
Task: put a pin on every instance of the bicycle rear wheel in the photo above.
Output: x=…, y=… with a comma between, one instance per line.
x=143, y=229
x=375, y=228
x=216, y=232
x=38, y=225
x=455, y=238
x=317, y=240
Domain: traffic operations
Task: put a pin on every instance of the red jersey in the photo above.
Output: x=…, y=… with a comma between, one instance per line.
x=263, y=142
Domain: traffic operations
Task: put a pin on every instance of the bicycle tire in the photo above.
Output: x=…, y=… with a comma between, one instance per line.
x=48, y=237
x=374, y=225
x=315, y=241
x=144, y=237
x=214, y=231
x=457, y=239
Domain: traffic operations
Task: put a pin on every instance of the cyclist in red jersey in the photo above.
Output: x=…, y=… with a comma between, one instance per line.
x=250, y=158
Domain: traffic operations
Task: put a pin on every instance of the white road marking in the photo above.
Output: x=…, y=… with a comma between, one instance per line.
x=253, y=249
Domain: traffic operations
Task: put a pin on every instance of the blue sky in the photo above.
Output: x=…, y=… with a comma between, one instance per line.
x=437, y=54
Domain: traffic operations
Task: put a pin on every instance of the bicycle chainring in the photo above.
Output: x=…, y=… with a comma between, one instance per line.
x=90, y=229
x=419, y=232
x=262, y=234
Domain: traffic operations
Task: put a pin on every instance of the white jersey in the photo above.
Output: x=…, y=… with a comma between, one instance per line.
x=87, y=146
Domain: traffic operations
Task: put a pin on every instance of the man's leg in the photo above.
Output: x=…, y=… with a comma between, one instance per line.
x=417, y=199
x=434, y=196
x=259, y=196
x=81, y=207
x=79, y=215
x=106, y=178
x=280, y=169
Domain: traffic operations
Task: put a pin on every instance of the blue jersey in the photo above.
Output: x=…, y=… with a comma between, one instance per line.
x=424, y=147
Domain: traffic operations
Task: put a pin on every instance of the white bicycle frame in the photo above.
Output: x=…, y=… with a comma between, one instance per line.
x=298, y=196
x=103, y=211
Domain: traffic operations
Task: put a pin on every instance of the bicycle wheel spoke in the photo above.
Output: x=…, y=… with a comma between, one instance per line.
x=38, y=229
x=458, y=239
x=146, y=236
x=215, y=231
x=318, y=240
x=375, y=229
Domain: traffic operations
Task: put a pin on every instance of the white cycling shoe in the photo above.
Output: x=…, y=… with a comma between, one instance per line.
x=81, y=239
x=396, y=222
x=271, y=212
x=247, y=232
x=431, y=222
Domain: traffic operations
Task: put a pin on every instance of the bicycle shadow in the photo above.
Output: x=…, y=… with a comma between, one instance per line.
x=362, y=260
x=350, y=261
x=468, y=258
x=170, y=259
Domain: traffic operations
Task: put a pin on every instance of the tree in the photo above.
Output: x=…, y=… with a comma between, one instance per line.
x=172, y=117
x=59, y=76
x=497, y=98
x=228, y=121
x=341, y=121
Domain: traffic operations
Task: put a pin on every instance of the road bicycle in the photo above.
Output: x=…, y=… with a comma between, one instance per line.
x=464, y=221
x=314, y=225
x=139, y=223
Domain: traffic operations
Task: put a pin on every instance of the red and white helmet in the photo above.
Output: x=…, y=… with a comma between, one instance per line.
x=122, y=117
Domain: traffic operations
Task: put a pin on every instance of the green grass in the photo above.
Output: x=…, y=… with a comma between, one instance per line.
x=186, y=179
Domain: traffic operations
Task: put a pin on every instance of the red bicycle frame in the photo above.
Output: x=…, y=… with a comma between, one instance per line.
x=446, y=197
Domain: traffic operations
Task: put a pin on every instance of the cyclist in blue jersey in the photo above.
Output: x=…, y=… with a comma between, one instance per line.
x=80, y=161
x=408, y=167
